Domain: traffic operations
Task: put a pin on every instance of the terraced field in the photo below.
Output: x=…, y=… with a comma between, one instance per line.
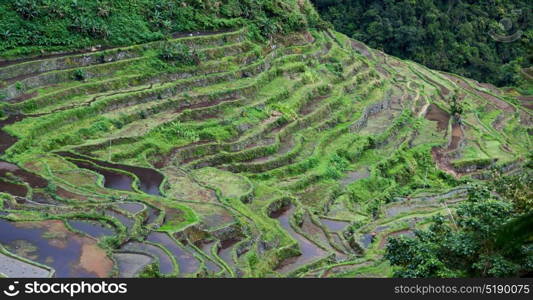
x=297, y=158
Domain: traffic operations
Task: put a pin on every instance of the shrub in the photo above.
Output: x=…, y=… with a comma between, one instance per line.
x=79, y=74
x=28, y=9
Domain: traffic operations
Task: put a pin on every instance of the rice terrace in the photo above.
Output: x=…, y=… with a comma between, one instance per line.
x=243, y=139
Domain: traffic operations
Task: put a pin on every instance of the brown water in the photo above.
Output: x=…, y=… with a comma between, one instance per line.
x=210, y=265
x=12, y=188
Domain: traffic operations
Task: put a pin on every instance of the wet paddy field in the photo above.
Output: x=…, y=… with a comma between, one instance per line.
x=181, y=173
x=51, y=244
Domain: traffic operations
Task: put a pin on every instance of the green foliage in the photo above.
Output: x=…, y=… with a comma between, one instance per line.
x=79, y=74
x=151, y=271
x=336, y=167
x=456, y=107
x=31, y=26
x=463, y=244
x=455, y=36
x=180, y=54
x=175, y=130
x=516, y=188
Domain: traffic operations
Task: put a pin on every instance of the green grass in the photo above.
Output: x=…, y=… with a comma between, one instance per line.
x=246, y=147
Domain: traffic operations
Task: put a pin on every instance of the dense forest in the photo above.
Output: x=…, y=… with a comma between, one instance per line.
x=486, y=40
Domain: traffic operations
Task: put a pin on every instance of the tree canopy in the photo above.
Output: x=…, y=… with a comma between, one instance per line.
x=486, y=236
x=487, y=40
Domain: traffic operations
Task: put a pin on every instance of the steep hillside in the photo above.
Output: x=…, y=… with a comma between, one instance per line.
x=221, y=154
x=485, y=40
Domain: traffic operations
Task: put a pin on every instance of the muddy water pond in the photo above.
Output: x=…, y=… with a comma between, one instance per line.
x=210, y=265
x=149, y=179
x=7, y=140
x=131, y=207
x=127, y=222
x=309, y=251
x=50, y=243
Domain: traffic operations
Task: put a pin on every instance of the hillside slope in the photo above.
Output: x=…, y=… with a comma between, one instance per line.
x=484, y=40
x=36, y=26
x=215, y=154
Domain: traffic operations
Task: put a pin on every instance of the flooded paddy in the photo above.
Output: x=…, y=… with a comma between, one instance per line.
x=50, y=243
x=166, y=266
x=209, y=264
x=122, y=218
x=309, y=251
x=353, y=176
x=33, y=180
x=44, y=199
x=130, y=264
x=7, y=140
x=112, y=180
x=188, y=264
x=153, y=214
x=149, y=180
x=12, y=267
x=334, y=225
x=12, y=188
x=91, y=228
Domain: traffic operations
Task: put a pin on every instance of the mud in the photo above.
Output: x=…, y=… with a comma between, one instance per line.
x=436, y=114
